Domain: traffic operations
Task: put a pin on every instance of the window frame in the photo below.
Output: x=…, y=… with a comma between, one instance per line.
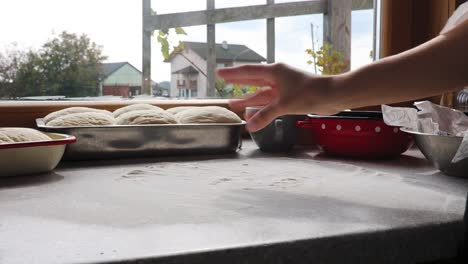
x=24, y=113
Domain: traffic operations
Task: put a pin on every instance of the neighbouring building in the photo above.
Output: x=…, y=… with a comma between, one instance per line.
x=188, y=67
x=123, y=79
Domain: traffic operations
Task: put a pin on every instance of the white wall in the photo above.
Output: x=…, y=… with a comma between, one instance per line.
x=126, y=75
x=179, y=62
x=237, y=63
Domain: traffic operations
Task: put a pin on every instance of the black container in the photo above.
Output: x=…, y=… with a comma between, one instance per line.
x=279, y=136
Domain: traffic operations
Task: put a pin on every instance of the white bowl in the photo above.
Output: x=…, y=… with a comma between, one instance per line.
x=33, y=157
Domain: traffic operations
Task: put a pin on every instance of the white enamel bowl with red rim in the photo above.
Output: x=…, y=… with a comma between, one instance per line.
x=357, y=134
x=33, y=157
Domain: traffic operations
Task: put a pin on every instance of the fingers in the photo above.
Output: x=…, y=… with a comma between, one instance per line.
x=259, y=75
x=263, y=117
x=254, y=82
x=248, y=72
x=259, y=98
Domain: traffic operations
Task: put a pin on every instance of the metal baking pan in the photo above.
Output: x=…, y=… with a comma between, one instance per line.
x=135, y=141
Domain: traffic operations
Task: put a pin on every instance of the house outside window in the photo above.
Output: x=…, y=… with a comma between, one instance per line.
x=191, y=65
x=247, y=40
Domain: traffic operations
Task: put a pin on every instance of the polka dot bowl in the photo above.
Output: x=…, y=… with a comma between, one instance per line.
x=357, y=134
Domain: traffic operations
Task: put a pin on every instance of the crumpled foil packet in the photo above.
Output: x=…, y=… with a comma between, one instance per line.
x=432, y=119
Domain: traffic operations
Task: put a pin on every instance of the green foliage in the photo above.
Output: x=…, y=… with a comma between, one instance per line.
x=68, y=65
x=226, y=90
x=165, y=42
x=328, y=59
x=10, y=62
x=222, y=88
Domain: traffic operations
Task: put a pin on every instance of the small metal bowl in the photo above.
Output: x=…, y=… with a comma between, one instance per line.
x=279, y=136
x=440, y=150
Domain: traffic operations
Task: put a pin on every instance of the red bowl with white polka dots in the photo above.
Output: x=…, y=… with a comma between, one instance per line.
x=357, y=134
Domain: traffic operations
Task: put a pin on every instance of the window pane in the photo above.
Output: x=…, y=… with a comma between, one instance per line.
x=176, y=6
x=294, y=36
x=362, y=38
x=239, y=43
x=236, y=3
x=115, y=71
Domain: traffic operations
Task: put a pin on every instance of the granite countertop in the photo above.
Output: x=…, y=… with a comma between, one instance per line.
x=249, y=207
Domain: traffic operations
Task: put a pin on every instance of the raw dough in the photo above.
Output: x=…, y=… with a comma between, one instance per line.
x=73, y=110
x=19, y=134
x=83, y=119
x=136, y=107
x=207, y=114
x=145, y=117
x=178, y=109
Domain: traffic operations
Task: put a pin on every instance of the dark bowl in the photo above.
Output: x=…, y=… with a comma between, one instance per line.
x=279, y=136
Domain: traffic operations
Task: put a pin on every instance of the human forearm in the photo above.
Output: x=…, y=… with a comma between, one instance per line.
x=433, y=68
x=436, y=67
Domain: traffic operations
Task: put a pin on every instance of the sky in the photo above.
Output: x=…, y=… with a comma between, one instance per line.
x=116, y=26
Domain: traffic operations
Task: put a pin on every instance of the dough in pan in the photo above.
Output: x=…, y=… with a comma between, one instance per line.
x=178, y=109
x=83, y=119
x=73, y=110
x=136, y=107
x=20, y=134
x=207, y=114
x=145, y=117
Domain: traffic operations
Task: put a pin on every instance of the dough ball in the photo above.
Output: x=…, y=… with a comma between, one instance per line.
x=83, y=119
x=143, y=117
x=136, y=107
x=207, y=114
x=178, y=109
x=73, y=110
x=19, y=134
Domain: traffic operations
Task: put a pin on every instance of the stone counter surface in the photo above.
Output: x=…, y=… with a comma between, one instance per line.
x=250, y=207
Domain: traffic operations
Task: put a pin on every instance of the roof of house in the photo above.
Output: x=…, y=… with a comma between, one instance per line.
x=187, y=70
x=109, y=68
x=233, y=52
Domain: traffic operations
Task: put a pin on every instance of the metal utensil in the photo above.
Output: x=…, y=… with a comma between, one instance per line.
x=279, y=136
x=110, y=142
x=440, y=150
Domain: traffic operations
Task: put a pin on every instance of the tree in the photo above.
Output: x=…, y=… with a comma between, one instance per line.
x=10, y=62
x=164, y=39
x=29, y=80
x=226, y=90
x=68, y=65
x=71, y=65
x=328, y=59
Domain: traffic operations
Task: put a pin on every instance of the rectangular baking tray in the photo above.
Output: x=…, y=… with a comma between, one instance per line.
x=135, y=141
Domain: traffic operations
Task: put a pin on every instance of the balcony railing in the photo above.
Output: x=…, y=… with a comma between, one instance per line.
x=337, y=26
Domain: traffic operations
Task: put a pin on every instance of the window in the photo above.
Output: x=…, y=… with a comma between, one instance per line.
x=180, y=83
x=186, y=93
x=114, y=69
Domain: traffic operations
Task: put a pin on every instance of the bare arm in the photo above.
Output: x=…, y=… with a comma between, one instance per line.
x=438, y=66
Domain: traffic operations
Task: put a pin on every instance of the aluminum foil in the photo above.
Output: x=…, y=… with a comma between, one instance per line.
x=431, y=119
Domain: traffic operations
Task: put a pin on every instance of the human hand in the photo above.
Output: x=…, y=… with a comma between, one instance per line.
x=286, y=91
